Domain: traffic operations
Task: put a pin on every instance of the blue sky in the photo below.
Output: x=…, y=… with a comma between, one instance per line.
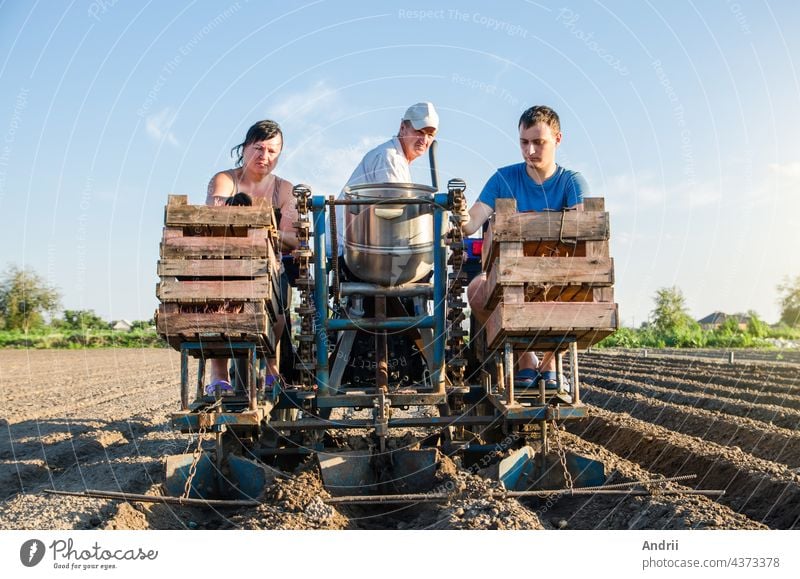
x=683, y=115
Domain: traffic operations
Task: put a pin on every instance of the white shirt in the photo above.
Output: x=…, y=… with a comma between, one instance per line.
x=385, y=163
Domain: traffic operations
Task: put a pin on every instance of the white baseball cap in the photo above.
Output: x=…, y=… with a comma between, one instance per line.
x=422, y=115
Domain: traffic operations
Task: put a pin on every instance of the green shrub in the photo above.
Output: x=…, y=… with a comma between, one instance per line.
x=79, y=339
x=622, y=338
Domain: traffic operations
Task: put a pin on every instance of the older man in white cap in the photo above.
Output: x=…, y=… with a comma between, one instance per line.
x=389, y=162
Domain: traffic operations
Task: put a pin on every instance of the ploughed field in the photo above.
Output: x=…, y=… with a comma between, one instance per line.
x=98, y=419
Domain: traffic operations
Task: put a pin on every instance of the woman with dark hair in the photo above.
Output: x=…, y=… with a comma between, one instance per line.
x=251, y=180
x=257, y=158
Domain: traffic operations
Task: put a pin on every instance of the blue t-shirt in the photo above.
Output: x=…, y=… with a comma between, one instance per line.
x=563, y=189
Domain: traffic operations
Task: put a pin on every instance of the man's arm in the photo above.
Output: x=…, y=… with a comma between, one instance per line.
x=580, y=189
x=476, y=217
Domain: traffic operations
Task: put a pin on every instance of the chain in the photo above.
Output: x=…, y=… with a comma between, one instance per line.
x=198, y=451
x=457, y=279
x=305, y=284
x=562, y=456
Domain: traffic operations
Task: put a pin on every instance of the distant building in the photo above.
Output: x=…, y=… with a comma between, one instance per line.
x=712, y=321
x=121, y=326
x=715, y=320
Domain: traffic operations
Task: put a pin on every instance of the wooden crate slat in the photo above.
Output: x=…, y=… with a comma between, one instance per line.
x=550, y=318
x=603, y=294
x=274, y=260
x=214, y=267
x=193, y=324
x=213, y=247
x=170, y=289
x=596, y=248
x=582, y=272
x=577, y=225
x=594, y=271
x=594, y=204
x=177, y=200
x=258, y=215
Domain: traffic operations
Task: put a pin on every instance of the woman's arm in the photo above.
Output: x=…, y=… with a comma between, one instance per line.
x=220, y=188
x=288, y=207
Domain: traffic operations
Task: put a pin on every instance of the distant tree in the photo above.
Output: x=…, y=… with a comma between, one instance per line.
x=756, y=327
x=142, y=324
x=729, y=326
x=24, y=298
x=670, y=314
x=789, y=301
x=83, y=320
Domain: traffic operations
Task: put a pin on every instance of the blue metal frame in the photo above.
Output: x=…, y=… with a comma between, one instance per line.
x=323, y=324
x=393, y=324
x=439, y=289
x=320, y=294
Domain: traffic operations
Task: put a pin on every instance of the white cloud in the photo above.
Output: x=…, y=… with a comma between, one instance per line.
x=639, y=186
x=629, y=192
x=790, y=170
x=780, y=189
x=642, y=190
x=319, y=99
x=159, y=126
x=778, y=186
x=697, y=195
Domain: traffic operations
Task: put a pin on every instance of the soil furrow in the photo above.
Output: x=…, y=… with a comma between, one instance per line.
x=754, y=487
x=706, y=385
x=761, y=440
x=785, y=418
x=750, y=376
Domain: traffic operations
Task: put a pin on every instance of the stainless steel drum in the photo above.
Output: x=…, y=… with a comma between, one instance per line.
x=389, y=244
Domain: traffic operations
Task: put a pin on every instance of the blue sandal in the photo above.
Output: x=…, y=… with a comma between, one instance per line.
x=526, y=378
x=529, y=378
x=550, y=380
x=224, y=388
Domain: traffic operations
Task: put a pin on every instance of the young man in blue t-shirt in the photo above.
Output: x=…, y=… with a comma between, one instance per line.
x=537, y=184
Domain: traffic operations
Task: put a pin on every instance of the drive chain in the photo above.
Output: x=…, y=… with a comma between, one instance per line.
x=305, y=284
x=457, y=279
x=198, y=450
x=562, y=455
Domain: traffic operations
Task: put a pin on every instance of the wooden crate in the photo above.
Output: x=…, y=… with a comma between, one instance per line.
x=218, y=322
x=549, y=275
x=219, y=274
